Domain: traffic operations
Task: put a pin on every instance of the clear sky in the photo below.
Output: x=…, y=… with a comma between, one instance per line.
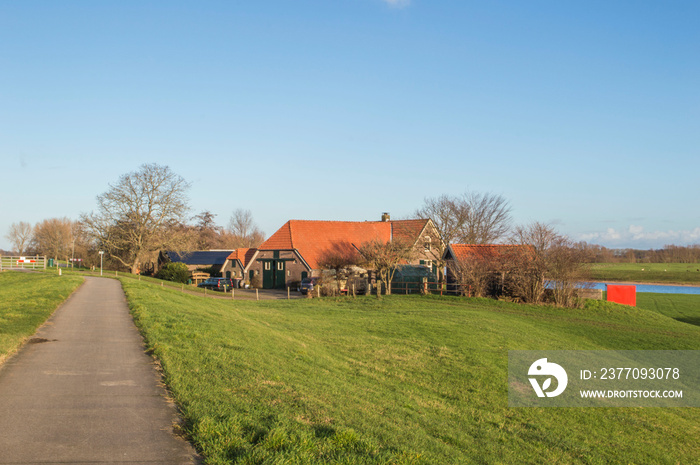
x=585, y=115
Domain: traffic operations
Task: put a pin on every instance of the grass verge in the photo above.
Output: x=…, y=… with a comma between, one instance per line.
x=27, y=300
x=403, y=380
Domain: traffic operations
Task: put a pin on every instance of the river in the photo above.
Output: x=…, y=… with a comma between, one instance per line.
x=657, y=288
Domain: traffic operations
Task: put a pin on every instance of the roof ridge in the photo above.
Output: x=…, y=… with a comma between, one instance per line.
x=339, y=221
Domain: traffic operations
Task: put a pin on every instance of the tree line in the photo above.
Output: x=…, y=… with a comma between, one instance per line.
x=144, y=212
x=667, y=254
x=147, y=211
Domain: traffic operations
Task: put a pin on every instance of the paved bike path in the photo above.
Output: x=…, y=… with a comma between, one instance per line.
x=84, y=391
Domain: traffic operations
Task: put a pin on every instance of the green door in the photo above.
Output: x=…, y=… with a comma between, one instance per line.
x=280, y=278
x=268, y=274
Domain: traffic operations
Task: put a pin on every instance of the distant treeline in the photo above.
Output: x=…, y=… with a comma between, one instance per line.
x=669, y=254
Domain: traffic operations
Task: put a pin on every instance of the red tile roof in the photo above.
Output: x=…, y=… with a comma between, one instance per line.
x=243, y=254
x=408, y=230
x=470, y=251
x=313, y=239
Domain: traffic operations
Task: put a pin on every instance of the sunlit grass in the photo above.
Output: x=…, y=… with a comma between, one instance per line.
x=665, y=273
x=680, y=307
x=26, y=301
x=401, y=380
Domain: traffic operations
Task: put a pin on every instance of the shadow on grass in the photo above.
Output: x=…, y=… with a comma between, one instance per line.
x=323, y=431
x=690, y=320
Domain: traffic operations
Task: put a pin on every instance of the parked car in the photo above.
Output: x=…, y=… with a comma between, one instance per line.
x=217, y=284
x=307, y=285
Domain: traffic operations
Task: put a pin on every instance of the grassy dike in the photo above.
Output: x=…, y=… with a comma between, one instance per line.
x=404, y=380
x=26, y=301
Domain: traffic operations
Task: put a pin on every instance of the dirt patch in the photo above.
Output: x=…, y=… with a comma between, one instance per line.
x=40, y=340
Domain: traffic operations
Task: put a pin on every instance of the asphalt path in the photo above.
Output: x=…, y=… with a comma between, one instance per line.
x=83, y=390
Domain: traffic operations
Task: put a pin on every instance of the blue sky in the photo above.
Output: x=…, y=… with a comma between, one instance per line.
x=585, y=115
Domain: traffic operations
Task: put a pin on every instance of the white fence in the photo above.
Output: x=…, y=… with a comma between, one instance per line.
x=22, y=263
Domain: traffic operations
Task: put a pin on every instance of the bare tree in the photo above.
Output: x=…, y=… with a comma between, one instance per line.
x=244, y=231
x=477, y=272
x=473, y=218
x=527, y=265
x=546, y=262
x=488, y=218
x=448, y=215
x=208, y=233
x=566, y=272
x=384, y=258
x=141, y=214
x=53, y=237
x=20, y=235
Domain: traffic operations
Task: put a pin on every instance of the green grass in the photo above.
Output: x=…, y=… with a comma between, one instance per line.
x=404, y=380
x=680, y=307
x=663, y=273
x=26, y=301
x=146, y=279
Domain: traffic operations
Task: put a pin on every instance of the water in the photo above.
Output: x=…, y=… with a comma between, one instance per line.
x=658, y=288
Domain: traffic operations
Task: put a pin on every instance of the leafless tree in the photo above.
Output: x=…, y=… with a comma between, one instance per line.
x=384, y=258
x=209, y=235
x=566, y=272
x=476, y=274
x=141, y=214
x=53, y=237
x=488, y=218
x=472, y=218
x=244, y=231
x=20, y=235
x=527, y=265
x=447, y=214
x=545, y=261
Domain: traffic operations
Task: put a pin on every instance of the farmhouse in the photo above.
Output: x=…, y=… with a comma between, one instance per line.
x=239, y=260
x=298, y=249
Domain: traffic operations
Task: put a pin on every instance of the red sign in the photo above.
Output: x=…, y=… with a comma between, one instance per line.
x=626, y=295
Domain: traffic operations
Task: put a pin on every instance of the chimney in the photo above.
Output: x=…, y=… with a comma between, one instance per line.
x=386, y=216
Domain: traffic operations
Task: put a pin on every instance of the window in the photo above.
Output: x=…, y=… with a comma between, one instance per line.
x=427, y=243
x=267, y=266
x=280, y=266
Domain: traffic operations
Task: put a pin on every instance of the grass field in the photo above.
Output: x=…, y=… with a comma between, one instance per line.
x=407, y=379
x=26, y=301
x=680, y=307
x=663, y=273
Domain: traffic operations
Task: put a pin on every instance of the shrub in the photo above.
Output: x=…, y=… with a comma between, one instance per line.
x=176, y=272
